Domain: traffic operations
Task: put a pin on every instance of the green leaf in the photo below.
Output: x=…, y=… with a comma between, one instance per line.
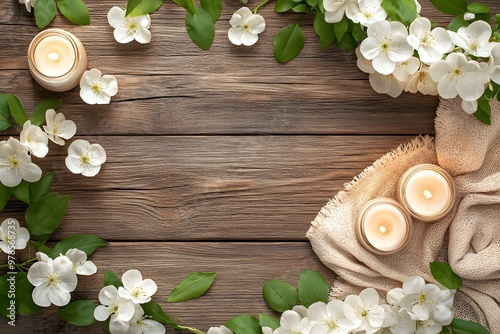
x=279, y=295
x=312, y=288
x=192, y=287
x=288, y=43
x=341, y=28
x=201, y=28
x=155, y=311
x=457, y=23
x=347, y=43
x=477, y=8
x=358, y=33
x=142, y=7
x=78, y=313
x=4, y=196
x=483, y=17
x=16, y=109
x=40, y=188
x=452, y=7
x=45, y=11
x=84, y=242
x=244, y=324
x=111, y=278
x=38, y=116
x=445, y=330
x=75, y=11
x=404, y=11
x=483, y=112
x=187, y=5
x=44, y=216
x=213, y=7
x=324, y=30
x=443, y=273
x=302, y=8
x=312, y=3
x=42, y=248
x=4, y=106
x=21, y=192
x=268, y=321
x=23, y=293
x=282, y=6
x=460, y=326
x=4, y=123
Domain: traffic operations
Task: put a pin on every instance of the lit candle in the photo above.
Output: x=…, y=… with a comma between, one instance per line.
x=57, y=59
x=427, y=192
x=383, y=226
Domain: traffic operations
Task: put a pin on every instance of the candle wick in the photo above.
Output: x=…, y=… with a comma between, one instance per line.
x=383, y=229
x=53, y=56
x=427, y=194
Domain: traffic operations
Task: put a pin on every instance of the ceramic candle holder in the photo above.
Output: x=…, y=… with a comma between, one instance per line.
x=57, y=60
x=383, y=226
x=427, y=191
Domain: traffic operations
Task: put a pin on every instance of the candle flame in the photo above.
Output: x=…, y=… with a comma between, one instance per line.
x=53, y=56
x=427, y=194
x=383, y=229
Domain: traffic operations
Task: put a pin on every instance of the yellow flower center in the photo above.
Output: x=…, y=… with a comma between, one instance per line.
x=330, y=323
x=14, y=162
x=52, y=279
x=364, y=313
x=428, y=40
x=96, y=87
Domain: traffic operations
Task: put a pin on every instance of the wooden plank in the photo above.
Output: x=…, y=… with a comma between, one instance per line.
x=242, y=270
x=211, y=188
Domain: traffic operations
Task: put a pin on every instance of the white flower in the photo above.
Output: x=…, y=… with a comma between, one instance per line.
x=53, y=281
x=34, y=139
x=469, y=107
x=397, y=319
x=266, y=330
x=494, y=64
x=335, y=9
x=368, y=314
x=97, y=89
x=120, y=309
x=469, y=16
x=28, y=4
x=58, y=127
x=16, y=165
x=422, y=82
x=366, y=12
x=386, y=45
x=292, y=323
x=245, y=27
x=84, y=158
x=219, y=330
x=419, y=7
x=474, y=39
x=80, y=264
x=405, y=69
x=457, y=75
x=431, y=45
x=301, y=310
x=12, y=235
x=129, y=28
x=139, y=324
x=420, y=298
x=135, y=288
x=428, y=327
x=330, y=318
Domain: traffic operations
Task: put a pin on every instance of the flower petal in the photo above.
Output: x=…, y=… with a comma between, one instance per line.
x=40, y=296
x=116, y=17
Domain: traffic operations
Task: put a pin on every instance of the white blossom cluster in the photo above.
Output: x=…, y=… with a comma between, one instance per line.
x=123, y=305
x=55, y=279
x=416, y=308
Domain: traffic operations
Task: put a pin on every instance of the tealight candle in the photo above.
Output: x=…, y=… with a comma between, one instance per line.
x=57, y=59
x=427, y=191
x=383, y=226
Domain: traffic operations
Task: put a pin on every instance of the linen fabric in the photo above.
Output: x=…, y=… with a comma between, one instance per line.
x=468, y=237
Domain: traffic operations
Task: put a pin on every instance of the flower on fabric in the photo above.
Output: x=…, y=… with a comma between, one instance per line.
x=457, y=75
x=422, y=82
x=428, y=327
x=474, y=39
x=366, y=12
x=386, y=46
x=431, y=45
x=397, y=319
x=135, y=288
x=469, y=107
x=29, y=4
x=368, y=314
x=245, y=27
x=494, y=64
x=140, y=324
x=96, y=88
x=120, y=310
x=53, y=281
x=16, y=165
x=335, y=9
x=292, y=323
x=12, y=236
x=34, y=139
x=58, y=127
x=84, y=158
x=80, y=264
x=219, y=330
x=129, y=28
x=330, y=318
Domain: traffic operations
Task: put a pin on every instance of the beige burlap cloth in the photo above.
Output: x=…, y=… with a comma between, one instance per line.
x=468, y=237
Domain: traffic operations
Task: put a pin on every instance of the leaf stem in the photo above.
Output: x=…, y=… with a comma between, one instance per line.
x=20, y=266
x=193, y=330
x=266, y=2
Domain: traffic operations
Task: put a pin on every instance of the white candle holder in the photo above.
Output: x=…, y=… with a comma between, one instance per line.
x=396, y=229
x=409, y=184
x=63, y=82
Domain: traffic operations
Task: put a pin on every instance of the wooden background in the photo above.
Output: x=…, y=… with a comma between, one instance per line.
x=217, y=160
